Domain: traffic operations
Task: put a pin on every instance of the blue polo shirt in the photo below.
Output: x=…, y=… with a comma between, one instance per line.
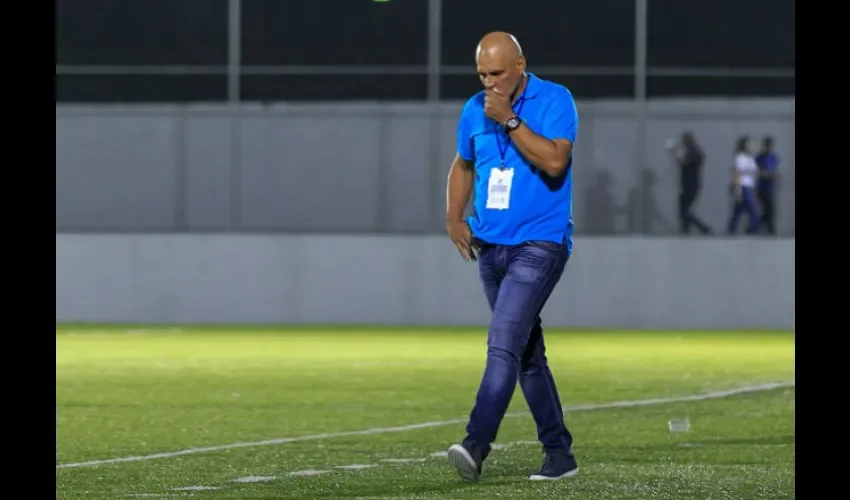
x=767, y=162
x=540, y=206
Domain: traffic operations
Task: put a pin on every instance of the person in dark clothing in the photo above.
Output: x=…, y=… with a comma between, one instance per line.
x=689, y=158
x=768, y=164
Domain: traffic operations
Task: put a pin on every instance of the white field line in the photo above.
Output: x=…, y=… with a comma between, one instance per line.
x=426, y=425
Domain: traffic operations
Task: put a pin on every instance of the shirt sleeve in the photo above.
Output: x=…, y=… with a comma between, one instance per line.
x=464, y=135
x=741, y=164
x=561, y=121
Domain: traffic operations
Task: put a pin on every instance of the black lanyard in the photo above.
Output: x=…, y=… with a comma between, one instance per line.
x=503, y=150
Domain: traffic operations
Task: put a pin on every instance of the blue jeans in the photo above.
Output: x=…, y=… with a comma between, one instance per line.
x=748, y=205
x=517, y=281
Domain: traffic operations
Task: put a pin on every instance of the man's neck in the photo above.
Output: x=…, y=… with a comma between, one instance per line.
x=520, y=89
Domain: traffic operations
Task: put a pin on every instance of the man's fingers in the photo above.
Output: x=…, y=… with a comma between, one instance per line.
x=464, y=249
x=462, y=239
x=467, y=239
x=461, y=248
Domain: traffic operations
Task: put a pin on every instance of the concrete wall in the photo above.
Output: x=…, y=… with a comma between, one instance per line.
x=613, y=282
x=371, y=168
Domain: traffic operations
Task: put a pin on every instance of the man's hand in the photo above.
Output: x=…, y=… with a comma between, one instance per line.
x=737, y=194
x=461, y=236
x=497, y=106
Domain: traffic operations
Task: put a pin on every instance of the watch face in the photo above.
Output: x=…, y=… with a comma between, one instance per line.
x=512, y=122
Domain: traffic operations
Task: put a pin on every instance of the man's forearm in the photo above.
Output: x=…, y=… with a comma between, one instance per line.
x=459, y=188
x=540, y=151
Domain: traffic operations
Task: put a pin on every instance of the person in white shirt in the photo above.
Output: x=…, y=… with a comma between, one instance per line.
x=744, y=176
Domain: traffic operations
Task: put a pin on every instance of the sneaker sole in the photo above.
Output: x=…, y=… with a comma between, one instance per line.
x=565, y=475
x=464, y=463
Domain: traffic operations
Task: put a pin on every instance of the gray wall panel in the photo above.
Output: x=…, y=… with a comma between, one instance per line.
x=207, y=162
x=377, y=167
x=305, y=174
x=609, y=282
x=116, y=173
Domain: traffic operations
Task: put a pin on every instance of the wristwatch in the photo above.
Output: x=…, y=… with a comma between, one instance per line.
x=512, y=124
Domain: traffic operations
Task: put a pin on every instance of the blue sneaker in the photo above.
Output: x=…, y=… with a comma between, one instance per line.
x=556, y=466
x=467, y=461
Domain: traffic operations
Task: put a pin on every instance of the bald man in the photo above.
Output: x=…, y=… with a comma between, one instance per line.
x=514, y=147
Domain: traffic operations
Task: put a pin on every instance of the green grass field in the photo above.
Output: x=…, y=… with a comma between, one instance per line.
x=252, y=410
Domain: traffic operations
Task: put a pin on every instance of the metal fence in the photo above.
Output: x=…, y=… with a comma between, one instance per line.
x=641, y=71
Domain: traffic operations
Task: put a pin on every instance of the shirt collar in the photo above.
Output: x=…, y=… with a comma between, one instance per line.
x=532, y=88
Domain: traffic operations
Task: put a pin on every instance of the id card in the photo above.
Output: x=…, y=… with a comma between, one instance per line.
x=499, y=188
